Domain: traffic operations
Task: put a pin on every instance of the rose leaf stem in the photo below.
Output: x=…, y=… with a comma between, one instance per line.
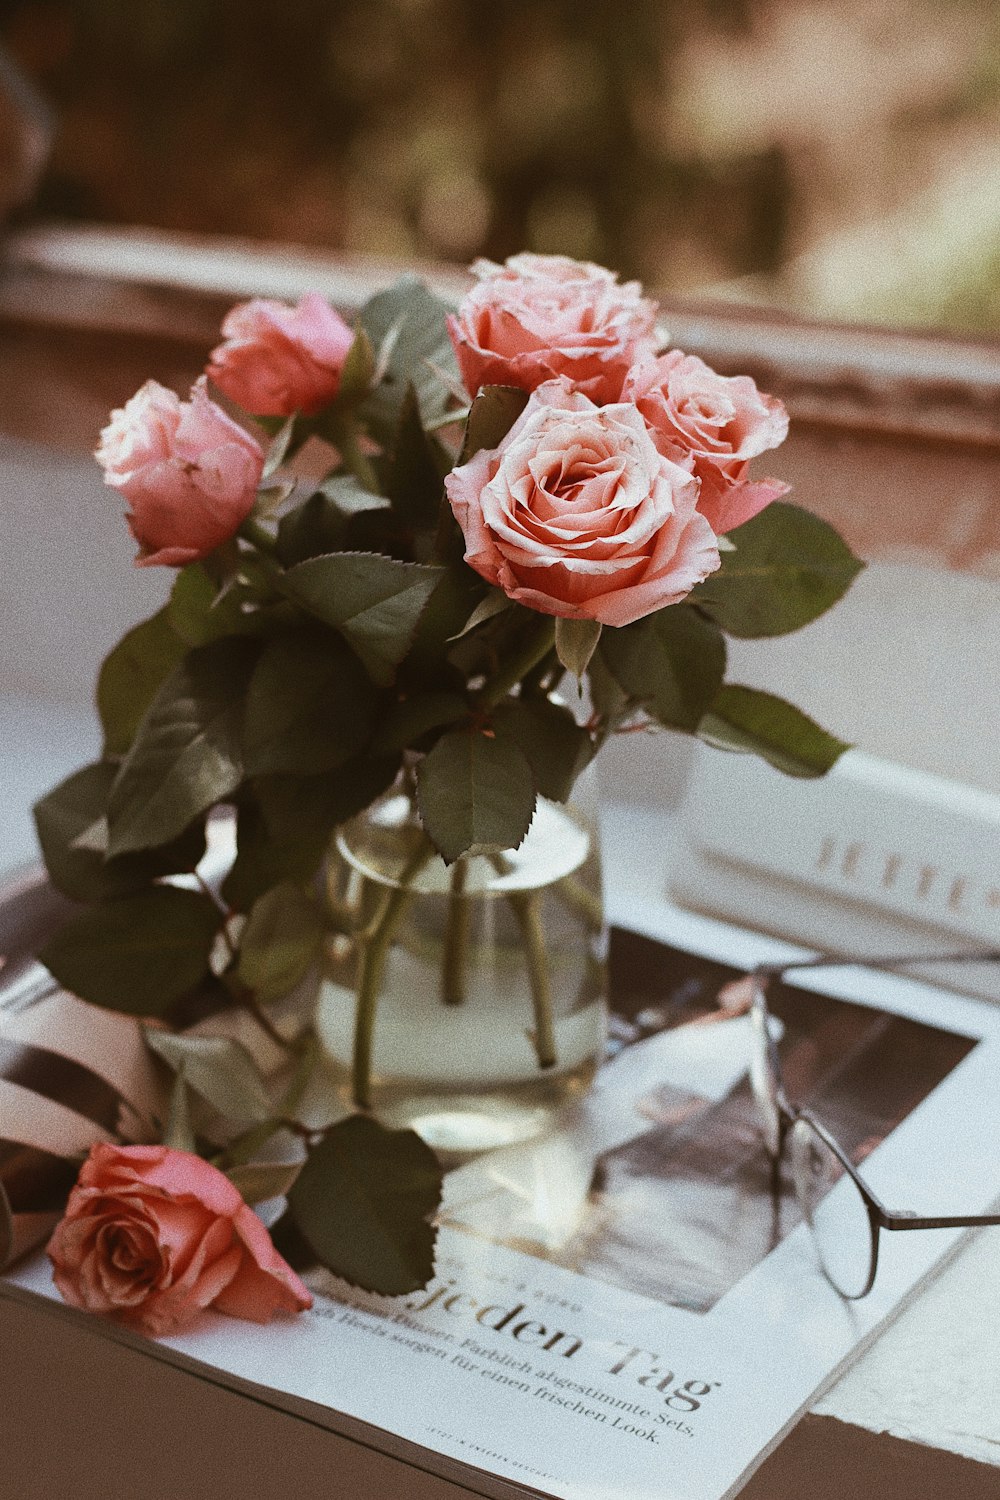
x=258, y=536
x=373, y=959
x=537, y=645
x=527, y=910
x=344, y=436
x=245, y=999
x=456, y=937
x=534, y=680
x=246, y=1146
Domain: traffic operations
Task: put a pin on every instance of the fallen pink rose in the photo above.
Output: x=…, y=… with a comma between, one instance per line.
x=152, y=1236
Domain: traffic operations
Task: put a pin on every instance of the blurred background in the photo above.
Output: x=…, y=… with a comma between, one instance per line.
x=830, y=157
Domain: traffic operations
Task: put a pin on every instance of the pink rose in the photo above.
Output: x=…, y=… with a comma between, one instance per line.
x=578, y=514
x=277, y=360
x=188, y=471
x=152, y=1236
x=540, y=316
x=721, y=422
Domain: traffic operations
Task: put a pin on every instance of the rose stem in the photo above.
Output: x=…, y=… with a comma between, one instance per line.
x=372, y=964
x=537, y=646
x=577, y=896
x=245, y=998
x=532, y=681
x=253, y=532
x=526, y=907
x=245, y=1147
x=456, y=937
x=345, y=438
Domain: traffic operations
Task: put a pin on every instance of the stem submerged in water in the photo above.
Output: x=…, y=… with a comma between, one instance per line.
x=527, y=908
x=456, y=938
x=373, y=959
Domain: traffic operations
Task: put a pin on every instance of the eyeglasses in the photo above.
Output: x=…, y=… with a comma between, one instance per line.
x=845, y=1216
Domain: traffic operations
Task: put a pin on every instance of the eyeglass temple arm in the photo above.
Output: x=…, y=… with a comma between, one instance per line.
x=902, y=1219
x=892, y=961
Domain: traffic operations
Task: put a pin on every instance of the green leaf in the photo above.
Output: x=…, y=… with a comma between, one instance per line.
x=200, y=611
x=609, y=698
x=258, y=1181
x=218, y=1069
x=270, y=500
x=374, y=601
x=72, y=832
x=310, y=529
x=576, y=642
x=320, y=524
x=476, y=794
x=187, y=754
x=364, y=1201
x=672, y=662
x=408, y=721
x=285, y=823
x=131, y=677
x=309, y=705
x=556, y=747
x=413, y=479
x=280, y=943
x=455, y=596
x=494, y=604
x=178, y=1133
x=358, y=371
x=278, y=447
x=350, y=496
x=788, y=567
x=138, y=954
x=407, y=324
x=492, y=415
x=757, y=723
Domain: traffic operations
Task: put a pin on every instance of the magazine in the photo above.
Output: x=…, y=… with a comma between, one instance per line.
x=632, y=1306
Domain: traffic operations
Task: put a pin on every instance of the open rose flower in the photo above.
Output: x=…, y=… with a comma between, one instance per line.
x=188, y=471
x=578, y=514
x=152, y=1236
x=276, y=359
x=541, y=316
x=720, y=422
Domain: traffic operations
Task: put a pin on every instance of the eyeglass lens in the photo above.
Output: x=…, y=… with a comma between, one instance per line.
x=834, y=1209
x=829, y=1198
x=763, y=1080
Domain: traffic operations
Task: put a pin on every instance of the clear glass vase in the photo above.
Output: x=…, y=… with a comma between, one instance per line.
x=469, y=1001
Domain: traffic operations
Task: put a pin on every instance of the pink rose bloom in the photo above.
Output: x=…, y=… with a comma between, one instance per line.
x=188, y=471
x=277, y=359
x=540, y=316
x=153, y=1236
x=720, y=422
x=578, y=514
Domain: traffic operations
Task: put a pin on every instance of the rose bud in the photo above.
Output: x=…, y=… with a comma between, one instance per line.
x=188, y=471
x=578, y=514
x=540, y=316
x=720, y=422
x=152, y=1236
x=276, y=359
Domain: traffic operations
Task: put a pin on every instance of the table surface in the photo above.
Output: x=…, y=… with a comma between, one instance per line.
x=930, y=1379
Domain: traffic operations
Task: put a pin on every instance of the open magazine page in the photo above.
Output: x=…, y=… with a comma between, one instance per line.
x=632, y=1307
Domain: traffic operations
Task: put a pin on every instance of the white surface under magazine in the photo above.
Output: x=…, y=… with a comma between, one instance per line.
x=629, y=1308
